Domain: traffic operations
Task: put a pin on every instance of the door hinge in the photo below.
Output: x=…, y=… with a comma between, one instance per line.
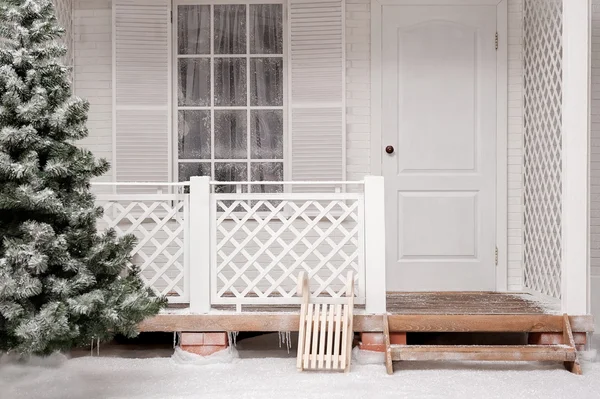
x=172, y=20
x=496, y=256
x=496, y=41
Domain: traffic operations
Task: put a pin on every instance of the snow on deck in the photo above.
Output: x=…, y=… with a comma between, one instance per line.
x=271, y=373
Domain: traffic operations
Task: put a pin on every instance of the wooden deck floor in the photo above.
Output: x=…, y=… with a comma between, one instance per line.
x=464, y=303
x=441, y=303
x=409, y=311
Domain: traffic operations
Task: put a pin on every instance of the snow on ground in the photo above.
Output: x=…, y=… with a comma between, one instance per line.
x=271, y=373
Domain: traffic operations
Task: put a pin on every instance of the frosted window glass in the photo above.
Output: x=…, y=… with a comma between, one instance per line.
x=230, y=29
x=230, y=81
x=237, y=171
x=231, y=134
x=266, y=81
x=194, y=134
x=193, y=29
x=266, y=171
x=266, y=29
x=194, y=82
x=187, y=170
x=266, y=134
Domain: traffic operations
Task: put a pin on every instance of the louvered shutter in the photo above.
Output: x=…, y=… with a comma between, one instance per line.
x=142, y=75
x=317, y=90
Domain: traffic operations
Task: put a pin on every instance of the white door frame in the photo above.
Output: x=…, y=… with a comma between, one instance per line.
x=502, y=113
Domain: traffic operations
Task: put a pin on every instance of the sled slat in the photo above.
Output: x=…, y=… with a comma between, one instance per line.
x=301, y=332
x=309, y=316
x=322, y=334
x=338, y=332
x=330, y=316
x=314, y=350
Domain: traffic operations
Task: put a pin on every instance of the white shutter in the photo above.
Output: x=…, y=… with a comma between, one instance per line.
x=142, y=85
x=317, y=90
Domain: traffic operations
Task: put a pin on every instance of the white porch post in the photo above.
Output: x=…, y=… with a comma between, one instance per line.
x=375, y=296
x=199, y=244
x=575, y=133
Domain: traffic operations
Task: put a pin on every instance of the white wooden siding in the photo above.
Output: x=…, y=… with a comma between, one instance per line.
x=515, y=144
x=93, y=81
x=595, y=165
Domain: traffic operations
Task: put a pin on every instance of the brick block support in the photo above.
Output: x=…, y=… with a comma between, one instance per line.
x=204, y=343
x=550, y=338
x=375, y=342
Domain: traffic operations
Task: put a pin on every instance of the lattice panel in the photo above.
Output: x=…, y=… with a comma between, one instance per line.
x=64, y=14
x=161, y=228
x=542, y=56
x=262, y=245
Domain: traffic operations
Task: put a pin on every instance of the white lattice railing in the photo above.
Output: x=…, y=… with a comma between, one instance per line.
x=542, y=114
x=261, y=243
x=160, y=222
x=208, y=248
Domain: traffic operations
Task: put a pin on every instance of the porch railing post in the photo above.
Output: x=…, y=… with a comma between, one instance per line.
x=575, y=139
x=200, y=244
x=375, y=295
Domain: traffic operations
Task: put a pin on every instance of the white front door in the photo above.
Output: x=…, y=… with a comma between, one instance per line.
x=439, y=114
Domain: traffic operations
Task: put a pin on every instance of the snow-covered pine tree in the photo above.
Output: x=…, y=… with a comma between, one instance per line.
x=61, y=283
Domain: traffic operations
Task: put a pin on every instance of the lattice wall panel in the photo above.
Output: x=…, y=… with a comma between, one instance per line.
x=542, y=56
x=64, y=14
x=262, y=246
x=160, y=228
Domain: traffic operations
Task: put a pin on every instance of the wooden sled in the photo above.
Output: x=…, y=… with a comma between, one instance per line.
x=325, y=334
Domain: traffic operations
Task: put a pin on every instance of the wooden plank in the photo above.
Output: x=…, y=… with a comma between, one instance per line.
x=337, y=334
x=572, y=365
x=388, y=351
x=303, y=290
x=314, y=350
x=349, y=330
x=467, y=303
x=483, y=353
x=344, y=337
x=366, y=323
x=486, y=323
x=309, y=331
x=301, y=338
x=330, y=331
x=322, y=334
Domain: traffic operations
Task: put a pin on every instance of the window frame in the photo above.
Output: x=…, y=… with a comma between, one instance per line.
x=286, y=156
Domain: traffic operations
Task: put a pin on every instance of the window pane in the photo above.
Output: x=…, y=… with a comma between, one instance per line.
x=266, y=29
x=193, y=29
x=267, y=171
x=194, y=134
x=231, y=134
x=266, y=81
x=267, y=134
x=230, y=81
x=235, y=171
x=194, y=82
x=230, y=29
x=187, y=170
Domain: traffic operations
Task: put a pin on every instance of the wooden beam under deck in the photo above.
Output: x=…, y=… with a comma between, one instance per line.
x=408, y=312
x=369, y=323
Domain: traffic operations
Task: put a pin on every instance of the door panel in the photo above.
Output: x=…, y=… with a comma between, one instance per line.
x=439, y=112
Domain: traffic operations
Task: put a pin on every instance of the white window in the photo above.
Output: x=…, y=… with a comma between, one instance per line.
x=230, y=80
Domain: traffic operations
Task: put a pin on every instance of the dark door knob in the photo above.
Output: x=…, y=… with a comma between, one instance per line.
x=389, y=149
